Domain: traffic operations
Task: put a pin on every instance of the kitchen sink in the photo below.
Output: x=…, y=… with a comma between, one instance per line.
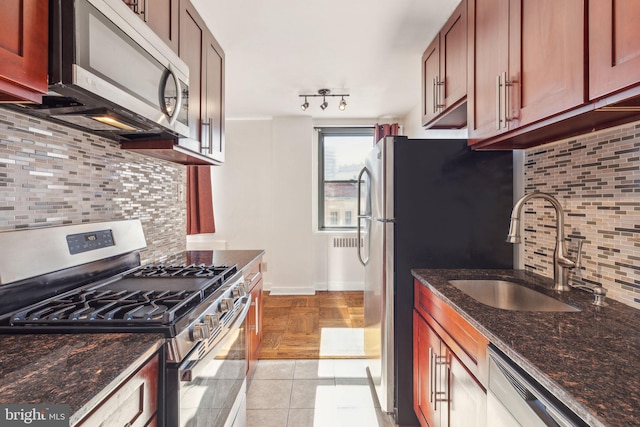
x=509, y=296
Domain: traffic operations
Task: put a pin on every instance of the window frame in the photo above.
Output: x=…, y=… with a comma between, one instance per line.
x=335, y=132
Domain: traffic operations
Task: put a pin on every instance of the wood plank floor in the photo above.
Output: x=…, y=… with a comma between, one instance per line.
x=293, y=326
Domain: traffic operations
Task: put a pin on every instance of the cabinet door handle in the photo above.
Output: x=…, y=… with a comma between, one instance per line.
x=508, y=84
x=432, y=374
x=206, y=148
x=257, y=330
x=442, y=361
x=440, y=96
x=498, y=86
x=435, y=96
x=505, y=94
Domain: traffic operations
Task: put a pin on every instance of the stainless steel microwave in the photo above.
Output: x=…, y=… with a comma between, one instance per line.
x=110, y=74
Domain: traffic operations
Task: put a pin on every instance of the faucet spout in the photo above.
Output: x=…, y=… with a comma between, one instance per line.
x=561, y=260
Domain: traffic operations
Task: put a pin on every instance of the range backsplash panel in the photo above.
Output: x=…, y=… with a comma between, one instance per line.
x=596, y=178
x=53, y=175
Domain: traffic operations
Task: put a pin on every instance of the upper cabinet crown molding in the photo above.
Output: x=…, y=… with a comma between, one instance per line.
x=23, y=50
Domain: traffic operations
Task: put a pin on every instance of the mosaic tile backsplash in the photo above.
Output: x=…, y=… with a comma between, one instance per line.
x=596, y=178
x=54, y=175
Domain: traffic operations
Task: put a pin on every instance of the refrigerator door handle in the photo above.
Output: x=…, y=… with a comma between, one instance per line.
x=360, y=216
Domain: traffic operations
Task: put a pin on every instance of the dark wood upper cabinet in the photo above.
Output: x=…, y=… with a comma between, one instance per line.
x=205, y=58
x=546, y=73
x=571, y=67
x=528, y=62
x=430, y=79
x=162, y=16
x=614, y=46
x=488, y=49
x=23, y=50
x=444, y=74
x=213, y=111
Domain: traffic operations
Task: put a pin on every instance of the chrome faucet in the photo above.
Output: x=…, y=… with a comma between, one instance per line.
x=561, y=260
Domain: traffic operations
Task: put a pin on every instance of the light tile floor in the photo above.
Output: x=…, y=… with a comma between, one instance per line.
x=313, y=393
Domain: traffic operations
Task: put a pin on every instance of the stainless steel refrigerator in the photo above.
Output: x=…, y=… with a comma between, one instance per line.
x=423, y=204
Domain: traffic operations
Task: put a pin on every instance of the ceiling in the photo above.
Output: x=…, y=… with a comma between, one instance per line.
x=276, y=50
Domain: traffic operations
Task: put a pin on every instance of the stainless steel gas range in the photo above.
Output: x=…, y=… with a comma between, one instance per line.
x=88, y=278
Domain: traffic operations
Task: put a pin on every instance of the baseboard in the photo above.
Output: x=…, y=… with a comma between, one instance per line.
x=290, y=291
x=346, y=286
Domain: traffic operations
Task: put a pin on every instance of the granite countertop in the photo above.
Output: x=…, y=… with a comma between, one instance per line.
x=78, y=370
x=218, y=257
x=590, y=360
x=81, y=369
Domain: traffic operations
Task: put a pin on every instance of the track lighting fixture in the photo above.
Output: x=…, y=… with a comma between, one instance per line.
x=324, y=93
x=343, y=104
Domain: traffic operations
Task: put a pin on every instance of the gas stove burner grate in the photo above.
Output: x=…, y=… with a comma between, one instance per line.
x=107, y=306
x=192, y=270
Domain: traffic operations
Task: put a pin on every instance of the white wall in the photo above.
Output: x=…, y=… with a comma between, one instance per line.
x=262, y=199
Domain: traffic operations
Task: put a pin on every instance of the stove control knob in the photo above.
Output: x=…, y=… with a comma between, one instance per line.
x=200, y=332
x=226, y=305
x=238, y=291
x=212, y=321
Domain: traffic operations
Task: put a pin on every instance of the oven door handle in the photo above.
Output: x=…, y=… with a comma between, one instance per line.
x=190, y=368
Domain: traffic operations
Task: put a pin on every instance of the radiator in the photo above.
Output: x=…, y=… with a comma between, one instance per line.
x=346, y=242
x=344, y=271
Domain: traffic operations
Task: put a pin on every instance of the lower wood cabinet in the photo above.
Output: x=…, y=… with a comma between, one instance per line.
x=253, y=281
x=446, y=392
x=134, y=403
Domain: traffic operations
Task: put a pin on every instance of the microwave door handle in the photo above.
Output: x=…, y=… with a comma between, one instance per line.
x=189, y=369
x=176, y=112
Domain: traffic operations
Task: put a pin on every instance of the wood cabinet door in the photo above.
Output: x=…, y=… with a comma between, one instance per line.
x=134, y=403
x=614, y=46
x=488, y=48
x=213, y=114
x=191, y=46
x=161, y=16
x=205, y=58
x=430, y=80
x=23, y=50
x=254, y=331
x=547, y=51
x=467, y=400
x=426, y=349
x=453, y=57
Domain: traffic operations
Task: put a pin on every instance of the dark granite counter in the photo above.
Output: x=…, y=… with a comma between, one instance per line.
x=590, y=360
x=75, y=369
x=81, y=369
x=228, y=257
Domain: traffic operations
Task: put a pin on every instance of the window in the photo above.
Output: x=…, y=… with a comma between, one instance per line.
x=342, y=155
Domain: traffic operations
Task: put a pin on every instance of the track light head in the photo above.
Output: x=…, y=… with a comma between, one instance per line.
x=324, y=104
x=305, y=105
x=343, y=104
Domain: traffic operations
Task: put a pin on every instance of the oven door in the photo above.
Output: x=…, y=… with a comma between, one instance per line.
x=211, y=387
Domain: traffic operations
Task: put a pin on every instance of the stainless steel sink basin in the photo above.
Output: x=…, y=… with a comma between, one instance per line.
x=509, y=296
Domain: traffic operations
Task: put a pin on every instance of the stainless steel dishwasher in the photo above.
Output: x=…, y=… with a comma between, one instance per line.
x=515, y=399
